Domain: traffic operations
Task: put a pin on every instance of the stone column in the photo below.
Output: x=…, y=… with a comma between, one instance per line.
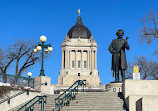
x=62, y=65
x=92, y=59
x=82, y=64
x=70, y=59
x=76, y=59
x=87, y=59
x=65, y=59
x=96, y=59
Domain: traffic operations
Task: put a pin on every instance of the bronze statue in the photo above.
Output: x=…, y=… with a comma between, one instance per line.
x=117, y=49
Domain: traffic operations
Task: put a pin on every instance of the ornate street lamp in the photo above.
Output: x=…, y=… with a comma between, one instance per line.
x=47, y=48
x=29, y=74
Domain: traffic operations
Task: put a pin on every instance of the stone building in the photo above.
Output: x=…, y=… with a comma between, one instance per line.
x=79, y=57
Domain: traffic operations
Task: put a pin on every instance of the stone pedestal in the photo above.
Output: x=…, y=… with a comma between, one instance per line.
x=114, y=87
x=45, y=89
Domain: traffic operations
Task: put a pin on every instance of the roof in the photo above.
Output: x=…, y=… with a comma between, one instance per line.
x=79, y=30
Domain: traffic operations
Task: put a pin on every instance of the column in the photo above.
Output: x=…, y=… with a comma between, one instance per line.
x=93, y=59
x=90, y=59
x=62, y=65
x=76, y=58
x=87, y=59
x=70, y=59
x=96, y=59
x=66, y=57
x=82, y=64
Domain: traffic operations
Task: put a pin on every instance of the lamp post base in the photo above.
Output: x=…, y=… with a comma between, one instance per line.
x=45, y=89
x=42, y=73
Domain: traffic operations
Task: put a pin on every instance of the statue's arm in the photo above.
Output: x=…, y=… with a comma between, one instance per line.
x=127, y=46
x=111, y=48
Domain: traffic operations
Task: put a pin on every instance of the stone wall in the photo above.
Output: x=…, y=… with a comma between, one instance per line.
x=140, y=92
x=17, y=100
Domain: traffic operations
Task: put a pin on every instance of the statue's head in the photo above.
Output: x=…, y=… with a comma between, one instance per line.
x=120, y=33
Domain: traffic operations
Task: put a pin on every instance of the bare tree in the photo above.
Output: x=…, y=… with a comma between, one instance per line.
x=148, y=68
x=23, y=53
x=129, y=71
x=1, y=59
x=5, y=61
x=149, y=32
x=21, y=56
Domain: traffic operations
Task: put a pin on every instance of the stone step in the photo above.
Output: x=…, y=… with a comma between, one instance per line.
x=92, y=108
x=94, y=103
x=45, y=105
x=95, y=106
x=97, y=92
x=97, y=95
x=101, y=104
x=88, y=101
x=97, y=100
x=90, y=93
x=110, y=96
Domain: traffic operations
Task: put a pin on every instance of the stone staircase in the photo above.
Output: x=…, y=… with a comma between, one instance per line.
x=96, y=101
x=87, y=101
x=49, y=106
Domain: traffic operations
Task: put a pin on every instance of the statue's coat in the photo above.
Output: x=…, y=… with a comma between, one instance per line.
x=116, y=50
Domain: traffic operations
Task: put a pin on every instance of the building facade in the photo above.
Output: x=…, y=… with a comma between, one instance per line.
x=79, y=57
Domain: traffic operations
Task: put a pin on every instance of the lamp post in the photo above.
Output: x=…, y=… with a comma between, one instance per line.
x=47, y=48
x=29, y=74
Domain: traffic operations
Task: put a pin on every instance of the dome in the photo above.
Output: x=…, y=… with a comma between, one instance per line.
x=79, y=30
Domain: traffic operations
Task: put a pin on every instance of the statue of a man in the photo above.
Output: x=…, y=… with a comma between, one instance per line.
x=117, y=49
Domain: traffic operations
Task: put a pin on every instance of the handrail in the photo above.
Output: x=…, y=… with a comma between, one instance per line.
x=29, y=108
x=8, y=99
x=14, y=76
x=7, y=77
x=59, y=101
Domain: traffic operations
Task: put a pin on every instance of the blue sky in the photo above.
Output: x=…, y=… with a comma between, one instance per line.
x=29, y=19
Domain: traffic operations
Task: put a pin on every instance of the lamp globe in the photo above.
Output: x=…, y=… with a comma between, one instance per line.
x=50, y=49
x=29, y=74
x=46, y=51
x=24, y=81
x=38, y=48
x=43, y=38
x=35, y=50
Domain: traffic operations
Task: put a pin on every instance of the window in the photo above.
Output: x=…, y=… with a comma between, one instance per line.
x=73, y=64
x=78, y=74
x=85, y=64
x=79, y=64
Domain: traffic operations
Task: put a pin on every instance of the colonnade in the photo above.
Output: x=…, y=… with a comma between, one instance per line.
x=91, y=59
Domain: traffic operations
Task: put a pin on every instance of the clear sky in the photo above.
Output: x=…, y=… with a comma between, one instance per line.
x=29, y=19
